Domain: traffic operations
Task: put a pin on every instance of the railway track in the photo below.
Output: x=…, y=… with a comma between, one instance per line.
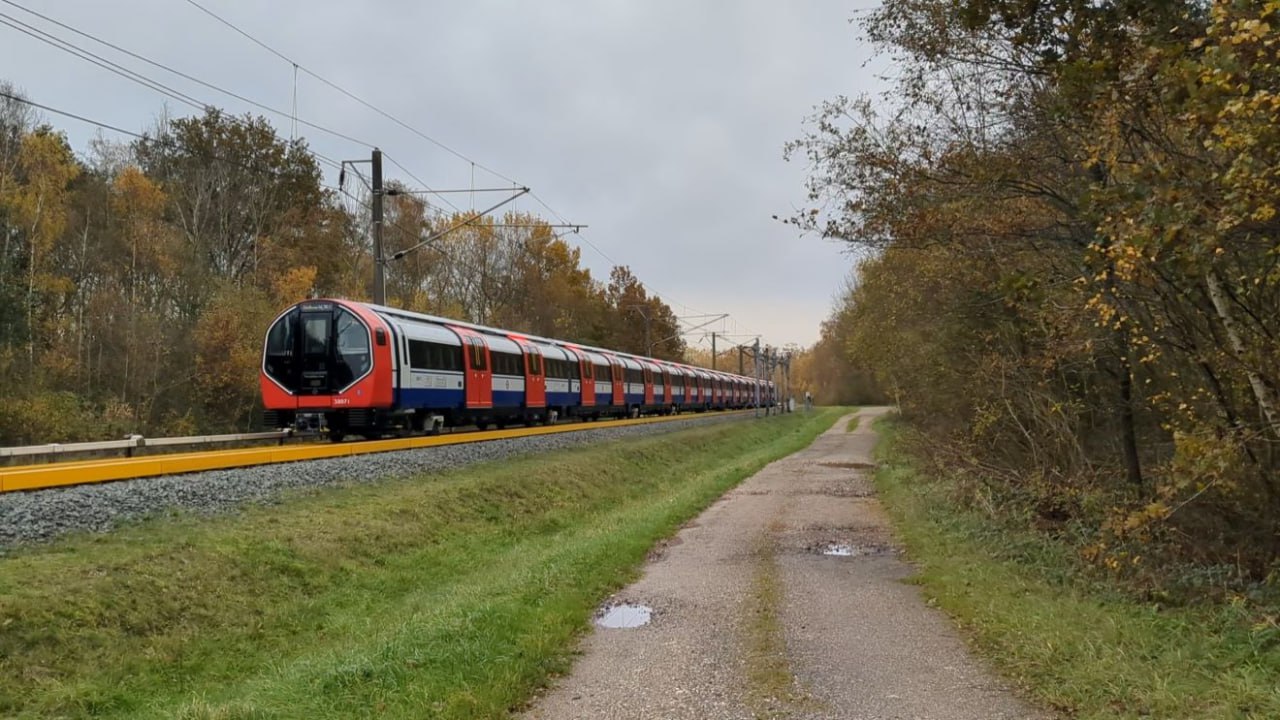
x=60, y=474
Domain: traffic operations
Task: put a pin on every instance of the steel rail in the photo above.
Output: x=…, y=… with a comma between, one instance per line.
x=39, y=477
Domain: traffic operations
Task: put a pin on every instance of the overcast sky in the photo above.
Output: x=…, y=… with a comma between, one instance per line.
x=658, y=123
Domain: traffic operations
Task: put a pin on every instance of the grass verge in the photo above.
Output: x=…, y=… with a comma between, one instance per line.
x=1086, y=652
x=454, y=595
x=772, y=688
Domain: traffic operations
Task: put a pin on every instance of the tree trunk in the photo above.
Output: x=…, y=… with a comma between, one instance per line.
x=1262, y=391
x=1128, y=433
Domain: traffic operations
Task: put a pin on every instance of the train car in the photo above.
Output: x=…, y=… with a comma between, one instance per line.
x=370, y=370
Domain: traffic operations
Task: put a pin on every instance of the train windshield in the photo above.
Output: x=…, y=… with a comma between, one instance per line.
x=317, y=348
x=353, y=348
x=280, y=360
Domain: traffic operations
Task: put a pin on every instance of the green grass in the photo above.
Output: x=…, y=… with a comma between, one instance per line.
x=1091, y=653
x=772, y=688
x=454, y=595
x=853, y=423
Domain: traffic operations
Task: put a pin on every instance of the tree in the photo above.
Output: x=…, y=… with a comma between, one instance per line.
x=1069, y=214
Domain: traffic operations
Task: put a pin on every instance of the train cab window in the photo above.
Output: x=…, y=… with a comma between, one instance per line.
x=353, y=344
x=280, y=362
x=280, y=338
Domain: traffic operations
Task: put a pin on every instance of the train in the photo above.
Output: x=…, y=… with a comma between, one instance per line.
x=370, y=371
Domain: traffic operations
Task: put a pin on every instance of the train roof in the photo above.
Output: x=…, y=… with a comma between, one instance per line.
x=488, y=330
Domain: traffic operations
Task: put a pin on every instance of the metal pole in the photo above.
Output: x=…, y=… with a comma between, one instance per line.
x=379, y=262
x=786, y=370
x=755, y=371
x=741, y=368
x=768, y=377
x=713, y=350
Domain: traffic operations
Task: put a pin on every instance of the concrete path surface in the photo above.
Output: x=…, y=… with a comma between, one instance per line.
x=784, y=600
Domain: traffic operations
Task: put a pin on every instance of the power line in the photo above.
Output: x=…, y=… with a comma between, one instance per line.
x=113, y=128
x=350, y=94
x=168, y=90
x=157, y=86
x=131, y=75
x=398, y=121
x=98, y=60
x=64, y=113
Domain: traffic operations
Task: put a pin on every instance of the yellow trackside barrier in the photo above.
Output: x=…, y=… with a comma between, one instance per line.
x=35, y=477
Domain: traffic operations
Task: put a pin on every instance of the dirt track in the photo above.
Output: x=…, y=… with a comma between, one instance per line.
x=753, y=620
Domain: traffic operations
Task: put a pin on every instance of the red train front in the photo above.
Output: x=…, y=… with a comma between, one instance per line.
x=327, y=357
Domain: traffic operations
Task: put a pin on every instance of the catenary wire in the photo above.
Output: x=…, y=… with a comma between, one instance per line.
x=348, y=93
x=167, y=68
x=183, y=97
x=398, y=121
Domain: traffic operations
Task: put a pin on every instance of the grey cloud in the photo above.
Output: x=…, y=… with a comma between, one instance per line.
x=660, y=124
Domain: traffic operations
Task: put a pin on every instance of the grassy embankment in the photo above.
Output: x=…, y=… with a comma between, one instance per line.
x=453, y=595
x=1073, y=645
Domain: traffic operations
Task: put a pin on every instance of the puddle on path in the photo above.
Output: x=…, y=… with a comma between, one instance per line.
x=842, y=549
x=624, y=615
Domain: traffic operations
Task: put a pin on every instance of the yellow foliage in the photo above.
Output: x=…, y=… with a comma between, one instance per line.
x=294, y=285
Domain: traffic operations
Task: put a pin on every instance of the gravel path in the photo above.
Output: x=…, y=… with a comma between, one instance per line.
x=752, y=619
x=37, y=516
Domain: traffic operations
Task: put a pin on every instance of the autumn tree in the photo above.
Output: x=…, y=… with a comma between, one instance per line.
x=1071, y=286
x=136, y=282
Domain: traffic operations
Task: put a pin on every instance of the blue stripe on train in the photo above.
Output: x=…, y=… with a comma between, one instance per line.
x=434, y=398
x=508, y=398
x=562, y=398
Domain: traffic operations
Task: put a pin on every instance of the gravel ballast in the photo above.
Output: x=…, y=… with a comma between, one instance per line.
x=39, y=516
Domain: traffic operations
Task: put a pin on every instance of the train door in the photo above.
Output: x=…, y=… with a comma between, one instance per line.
x=667, y=375
x=648, y=386
x=535, y=379
x=479, y=375
x=619, y=382
x=586, y=378
x=316, y=349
